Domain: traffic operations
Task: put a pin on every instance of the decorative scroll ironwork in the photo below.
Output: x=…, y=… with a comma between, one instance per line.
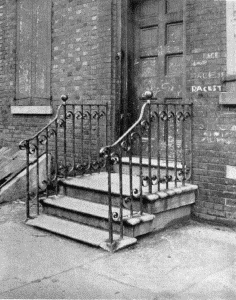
x=69, y=146
x=161, y=133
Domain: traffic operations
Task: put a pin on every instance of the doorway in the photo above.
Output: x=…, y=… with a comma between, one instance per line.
x=155, y=42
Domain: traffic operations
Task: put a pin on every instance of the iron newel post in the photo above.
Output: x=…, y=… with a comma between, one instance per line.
x=64, y=98
x=106, y=153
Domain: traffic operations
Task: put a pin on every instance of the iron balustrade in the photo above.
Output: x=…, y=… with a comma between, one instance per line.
x=163, y=137
x=70, y=146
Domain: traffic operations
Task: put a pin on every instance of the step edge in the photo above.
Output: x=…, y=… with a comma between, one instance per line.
x=152, y=197
x=129, y=221
x=122, y=243
x=65, y=182
x=146, y=196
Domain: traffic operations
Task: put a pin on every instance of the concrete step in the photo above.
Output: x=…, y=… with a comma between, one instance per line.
x=96, y=215
x=145, y=163
x=94, y=188
x=79, y=232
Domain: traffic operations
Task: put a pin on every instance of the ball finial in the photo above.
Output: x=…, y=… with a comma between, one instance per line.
x=64, y=98
x=147, y=95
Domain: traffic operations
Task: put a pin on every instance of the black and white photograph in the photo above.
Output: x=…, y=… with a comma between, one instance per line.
x=118, y=149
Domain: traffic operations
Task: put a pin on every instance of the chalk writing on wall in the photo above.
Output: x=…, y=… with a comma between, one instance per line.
x=212, y=55
x=204, y=58
x=199, y=63
x=206, y=88
x=208, y=75
x=216, y=137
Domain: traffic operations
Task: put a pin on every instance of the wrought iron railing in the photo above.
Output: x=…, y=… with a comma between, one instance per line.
x=162, y=136
x=69, y=146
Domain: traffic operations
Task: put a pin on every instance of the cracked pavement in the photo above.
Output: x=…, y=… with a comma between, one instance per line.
x=187, y=261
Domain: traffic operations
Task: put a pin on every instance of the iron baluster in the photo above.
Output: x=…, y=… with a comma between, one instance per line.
x=158, y=148
x=191, y=143
x=56, y=156
x=149, y=148
x=64, y=98
x=183, y=146
x=121, y=196
x=140, y=173
x=110, y=216
x=82, y=133
x=37, y=174
x=90, y=137
x=47, y=171
x=98, y=132
x=129, y=142
x=73, y=139
x=106, y=140
x=167, y=146
x=27, y=180
x=175, y=145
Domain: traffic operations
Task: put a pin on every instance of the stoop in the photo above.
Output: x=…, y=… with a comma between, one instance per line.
x=80, y=211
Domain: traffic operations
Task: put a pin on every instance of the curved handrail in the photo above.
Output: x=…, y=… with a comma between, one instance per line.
x=45, y=127
x=128, y=130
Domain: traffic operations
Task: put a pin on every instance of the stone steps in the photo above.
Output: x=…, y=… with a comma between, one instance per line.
x=82, y=205
x=79, y=232
x=94, y=188
x=96, y=215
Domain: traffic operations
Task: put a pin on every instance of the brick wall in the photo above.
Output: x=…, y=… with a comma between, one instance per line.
x=84, y=43
x=81, y=61
x=214, y=124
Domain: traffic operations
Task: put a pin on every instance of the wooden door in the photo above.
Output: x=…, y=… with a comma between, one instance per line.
x=157, y=51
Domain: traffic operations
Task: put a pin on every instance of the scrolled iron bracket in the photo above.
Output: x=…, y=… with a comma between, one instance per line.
x=52, y=132
x=153, y=116
x=180, y=116
x=114, y=158
x=105, y=152
x=43, y=139
x=61, y=122
x=187, y=115
x=125, y=146
x=23, y=145
x=95, y=165
x=163, y=115
x=87, y=114
x=145, y=181
x=181, y=175
x=136, y=193
x=115, y=216
x=171, y=115
x=144, y=125
x=135, y=135
x=154, y=180
x=79, y=115
x=69, y=114
x=184, y=175
x=32, y=148
x=97, y=115
x=169, y=178
x=127, y=202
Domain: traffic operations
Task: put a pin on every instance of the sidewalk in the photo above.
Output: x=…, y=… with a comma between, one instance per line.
x=194, y=261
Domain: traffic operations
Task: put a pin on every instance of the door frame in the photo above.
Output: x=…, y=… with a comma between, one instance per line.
x=124, y=42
